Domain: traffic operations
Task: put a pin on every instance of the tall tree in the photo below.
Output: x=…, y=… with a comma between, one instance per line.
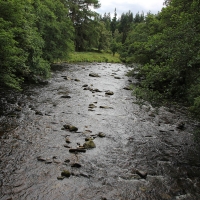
x=125, y=23
x=83, y=21
x=113, y=25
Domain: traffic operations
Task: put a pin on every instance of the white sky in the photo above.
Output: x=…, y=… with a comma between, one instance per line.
x=134, y=6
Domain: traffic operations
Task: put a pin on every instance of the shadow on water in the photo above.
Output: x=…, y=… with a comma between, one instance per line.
x=141, y=152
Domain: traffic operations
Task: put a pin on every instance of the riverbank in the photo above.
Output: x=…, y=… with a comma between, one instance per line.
x=93, y=57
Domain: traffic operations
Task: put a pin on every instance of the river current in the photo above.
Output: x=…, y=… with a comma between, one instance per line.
x=141, y=153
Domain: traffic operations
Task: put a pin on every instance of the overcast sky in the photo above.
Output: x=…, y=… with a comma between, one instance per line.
x=134, y=6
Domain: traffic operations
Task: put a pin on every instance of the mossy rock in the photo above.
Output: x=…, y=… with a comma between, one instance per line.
x=70, y=128
x=89, y=144
x=101, y=135
x=65, y=173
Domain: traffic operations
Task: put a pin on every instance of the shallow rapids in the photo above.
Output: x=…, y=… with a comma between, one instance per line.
x=146, y=153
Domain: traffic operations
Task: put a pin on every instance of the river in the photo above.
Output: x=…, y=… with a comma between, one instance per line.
x=141, y=152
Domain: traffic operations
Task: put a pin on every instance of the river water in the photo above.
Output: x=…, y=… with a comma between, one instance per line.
x=147, y=153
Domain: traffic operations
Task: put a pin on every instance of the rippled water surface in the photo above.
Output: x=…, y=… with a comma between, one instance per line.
x=146, y=153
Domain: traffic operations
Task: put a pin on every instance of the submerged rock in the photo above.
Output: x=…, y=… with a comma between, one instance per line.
x=66, y=96
x=126, y=88
x=105, y=107
x=38, y=112
x=60, y=177
x=89, y=144
x=40, y=158
x=92, y=106
x=48, y=161
x=67, y=140
x=109, y=93
x=88, y=138
x=94, y=75
x=142, y=174
x=70, y=127
x=77, y=165
x=117, y=77
x=180, y=125
x=65, y=173
x=100, y=134
x=77, y=150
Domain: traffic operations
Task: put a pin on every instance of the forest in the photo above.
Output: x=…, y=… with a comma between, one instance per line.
x=164, y=47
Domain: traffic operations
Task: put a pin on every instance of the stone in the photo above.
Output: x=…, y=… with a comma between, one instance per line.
x=76, y=165
x=38, y=112
x=94, y=75
x=180, y=125
x=57, y=161
x=96, y=90
x=65, y=173
x=76, y=80
x=67, y=140
x=77, y=150
x=48, y=161
x=84, y=175
x=70, y=128
x=66, y=96
x=126, y=88
x=105, y=107
x=100, y=134
x=109, y=93
x=92, y=106
x=142, y=174
x=60, y=177
x=88, y=138
x=85, y=85
x=116, y=77
x=89, y=144
x=40, y=158
x=67, y=78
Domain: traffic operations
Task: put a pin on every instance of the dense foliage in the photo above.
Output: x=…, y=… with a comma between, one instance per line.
x=32, y=34
x=167, y=47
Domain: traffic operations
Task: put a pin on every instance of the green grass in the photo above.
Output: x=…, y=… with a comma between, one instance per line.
x=93, y=57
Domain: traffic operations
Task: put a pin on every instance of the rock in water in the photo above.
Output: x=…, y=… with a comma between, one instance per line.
x=142, y=174
x=70, y=127
x=65, y=173
x=100, y=134
x=60, y=177
x=89, y=144
x=77, y=165
x=109, y=93
x=94, y=75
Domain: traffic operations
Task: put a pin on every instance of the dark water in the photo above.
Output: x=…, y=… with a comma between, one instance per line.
x=138, y=140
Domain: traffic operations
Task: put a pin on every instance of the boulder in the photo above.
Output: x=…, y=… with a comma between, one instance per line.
x=109, y=92
x=100, y=134
x=70, y=128
x=89, y=144
x=65, y=173
x=94, y=75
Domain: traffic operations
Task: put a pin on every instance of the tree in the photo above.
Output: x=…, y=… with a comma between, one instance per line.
x=82, y=18
x=113, y=24
x=125, y=23
x=104, y=37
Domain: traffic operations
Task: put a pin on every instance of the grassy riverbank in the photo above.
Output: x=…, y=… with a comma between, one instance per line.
x=93, y=57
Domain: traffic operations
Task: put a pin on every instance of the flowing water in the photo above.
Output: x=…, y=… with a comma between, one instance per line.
x=146, y=153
